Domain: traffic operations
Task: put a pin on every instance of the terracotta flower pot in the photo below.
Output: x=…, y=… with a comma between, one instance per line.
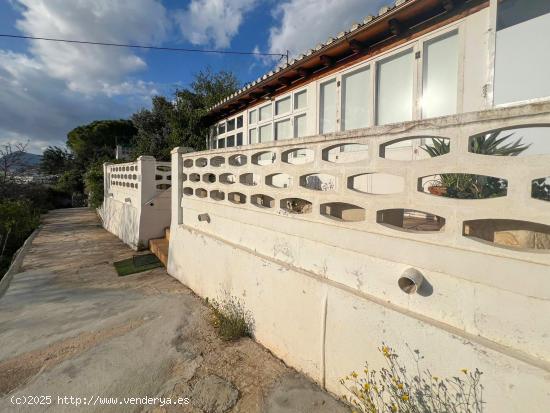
x=437, y=190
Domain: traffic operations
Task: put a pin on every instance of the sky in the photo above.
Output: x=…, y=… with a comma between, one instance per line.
x=47, y=88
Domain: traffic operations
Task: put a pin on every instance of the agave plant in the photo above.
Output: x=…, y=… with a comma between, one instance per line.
x=468, y=186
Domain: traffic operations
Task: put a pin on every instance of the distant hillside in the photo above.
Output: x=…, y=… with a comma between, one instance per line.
x=27, y=161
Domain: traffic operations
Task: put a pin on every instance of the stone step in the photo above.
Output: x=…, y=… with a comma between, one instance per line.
x=167, y=233
x=159, y=247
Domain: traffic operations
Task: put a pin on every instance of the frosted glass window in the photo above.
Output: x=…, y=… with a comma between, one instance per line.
x=265, y=112
x=300, y=126
x=253, y=116
x=282, y=106
x=522, y=57
x=300, y=100
x=266, y=133
x=355, y=99
x=327, y=109
x=282, y=129
x=253, y=136
x=440, y=76
x=394, y=98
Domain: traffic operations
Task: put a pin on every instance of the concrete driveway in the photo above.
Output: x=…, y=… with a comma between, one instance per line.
x=70, y=327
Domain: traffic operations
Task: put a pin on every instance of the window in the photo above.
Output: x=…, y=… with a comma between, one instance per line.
x=282, y=106
x=395, y=88
x=300, y=125
x=230, y=141
x=266, y=133
x=253, y=116
x=282, y=130
x=230, y=125
x=440, y=76
x=239, y=139
x=221, y=128
x=327, y=109
x=355, y=99
x=522, y=61
x=300, y=100
x=265, y=112
x=221, y=143
x=253, y=136
x=240, y=122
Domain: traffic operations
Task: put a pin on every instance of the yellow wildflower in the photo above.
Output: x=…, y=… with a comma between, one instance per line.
x=354, y=375
x=366, y=386
x=405, y=397
x=465, y=371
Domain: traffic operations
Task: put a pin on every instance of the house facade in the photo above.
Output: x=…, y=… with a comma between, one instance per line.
x=417, y=60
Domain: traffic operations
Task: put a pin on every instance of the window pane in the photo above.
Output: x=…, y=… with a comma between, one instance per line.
x=282, y=106
x=440, y=76
x=300, y=126
x=253, y=117
x=239, y=122
x=300, y=100
x=221, y=128
x=266, y=134
x=253, y=136
x=221, y=143
x=395, y=89
x=355, y=99
x=230, y=141
x=239, y=139
x=282, y=130
x=265, y=112
x=230, y=125
x=522, y=58
x=327, y=109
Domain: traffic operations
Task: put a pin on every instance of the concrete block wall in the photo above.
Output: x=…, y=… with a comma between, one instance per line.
x=137, y=201
x=323, y=290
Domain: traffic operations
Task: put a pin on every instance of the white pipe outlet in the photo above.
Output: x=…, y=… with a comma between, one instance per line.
x=410, y=281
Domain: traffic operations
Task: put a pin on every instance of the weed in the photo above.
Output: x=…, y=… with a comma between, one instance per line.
x=231, y=319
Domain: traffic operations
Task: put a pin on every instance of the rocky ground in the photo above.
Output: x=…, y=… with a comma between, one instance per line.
x=69, y=326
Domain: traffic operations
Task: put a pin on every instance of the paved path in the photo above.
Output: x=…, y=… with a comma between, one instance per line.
x=70, y=327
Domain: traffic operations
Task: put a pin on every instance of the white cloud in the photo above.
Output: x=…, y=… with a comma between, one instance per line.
x=213, y=21
x=85, y=68
x=306, y=23
x=55, y=87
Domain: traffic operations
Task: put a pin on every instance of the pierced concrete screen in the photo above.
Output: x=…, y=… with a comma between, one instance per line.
x=410, y=220
x=509, y=233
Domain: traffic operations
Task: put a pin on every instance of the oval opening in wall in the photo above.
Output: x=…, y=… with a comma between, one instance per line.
x=163, y=168
x=236, y=197
x=296, y=206
x=415, y=148
x=209, y=178
x=463, y=186
x=263, y=158
x=201, y=162
x=188, y=163
x=342, y=211
x=377, y=183
x=217, y=195
x=298, y=156
x=227, y=178
x=201, y=193
x=262, y=201
x=249, y=179
x=516, y=141
x=217, y=161
x=410, y=220
x=237, y=160
x=279, y=180
x=194, y=177
x=318, y=182
x=346, y=153
x=523, y=235
x=163, y=187
x=188, y=191
x=540, y=188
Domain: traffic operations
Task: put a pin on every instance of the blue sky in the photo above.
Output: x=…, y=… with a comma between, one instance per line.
x=46, y=89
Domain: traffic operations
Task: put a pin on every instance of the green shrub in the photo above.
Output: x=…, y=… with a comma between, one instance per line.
x=392, y=389
x=93, y=181
x=231, y=319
